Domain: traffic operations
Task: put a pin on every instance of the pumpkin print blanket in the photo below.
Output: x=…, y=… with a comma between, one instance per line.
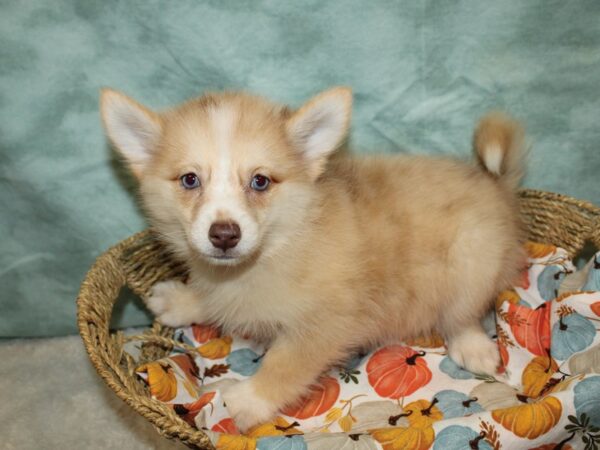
x=412, y=395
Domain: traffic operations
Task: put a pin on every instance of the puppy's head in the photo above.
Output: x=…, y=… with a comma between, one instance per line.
x=227, y=176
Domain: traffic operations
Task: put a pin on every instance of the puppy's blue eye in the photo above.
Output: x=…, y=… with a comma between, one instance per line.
x=260, y=183
x=190, y=181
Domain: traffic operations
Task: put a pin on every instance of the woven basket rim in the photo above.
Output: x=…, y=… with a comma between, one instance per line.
x=146, y=407
x=583, y=205
x=104, y=347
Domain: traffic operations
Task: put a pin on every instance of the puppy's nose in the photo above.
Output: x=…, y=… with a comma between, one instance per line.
x=224, y=235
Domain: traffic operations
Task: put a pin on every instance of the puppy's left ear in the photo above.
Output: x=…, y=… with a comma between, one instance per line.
x=320, y=126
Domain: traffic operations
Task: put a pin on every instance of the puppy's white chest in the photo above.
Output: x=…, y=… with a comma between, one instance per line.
x=247, y=304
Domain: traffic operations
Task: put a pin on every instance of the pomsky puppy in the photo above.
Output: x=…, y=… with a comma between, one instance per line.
x=316, y=255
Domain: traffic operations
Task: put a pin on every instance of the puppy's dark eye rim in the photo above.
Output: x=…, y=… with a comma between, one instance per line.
x=190, y=180
x=260, y=182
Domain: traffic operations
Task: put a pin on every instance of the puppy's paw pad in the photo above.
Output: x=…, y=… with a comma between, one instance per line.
x=246, y=407
x=480, y=356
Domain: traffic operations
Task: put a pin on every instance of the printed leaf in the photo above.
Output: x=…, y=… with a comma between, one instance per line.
x=215, y=371
x=216, y=348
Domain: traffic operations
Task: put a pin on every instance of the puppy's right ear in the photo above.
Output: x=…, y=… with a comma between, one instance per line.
x=133, y=129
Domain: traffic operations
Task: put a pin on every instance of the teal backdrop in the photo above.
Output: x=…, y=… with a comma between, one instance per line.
x=422, y=72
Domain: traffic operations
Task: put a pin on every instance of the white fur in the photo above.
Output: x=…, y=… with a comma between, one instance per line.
x=246, y=407
x=472, y=349
x=132, y=130
x=224, y=203
x=321, y=125
x=174, y=304
x=492, y=158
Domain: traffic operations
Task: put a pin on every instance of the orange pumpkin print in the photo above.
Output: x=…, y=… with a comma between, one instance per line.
x=397, y=371
x=531, y=327
x=537, y=374
x=535, y=250
x=531, y=420
x=321, y=398
x=226, y=426
x=595, y=307
x=504, y=357
x=401, y=438
x=204, y=333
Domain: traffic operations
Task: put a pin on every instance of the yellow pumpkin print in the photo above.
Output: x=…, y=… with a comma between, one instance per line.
x=536, y=374
x=535, y=250
x=278, y=427
x=509, y=296
x=162, y=381
x=216, y=348
x=235, y=442
x=530, y=420
x=401, y=438
x=423, y=413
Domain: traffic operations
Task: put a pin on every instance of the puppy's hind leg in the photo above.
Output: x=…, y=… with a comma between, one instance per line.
x=471, y=288
x=472, y=349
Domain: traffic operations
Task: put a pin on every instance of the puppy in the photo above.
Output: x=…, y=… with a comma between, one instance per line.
x=319, y=255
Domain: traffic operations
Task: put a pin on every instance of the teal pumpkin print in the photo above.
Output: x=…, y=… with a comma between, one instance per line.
x=549, y=281
x=457, y=437
x=453, y=370
x=294, y=442
x=571, y=334
x=244, y=361
x=587, y=399
x=593, y=278
x=456, y=404
x=355, y=361
x=524, y=303
x=180, y=336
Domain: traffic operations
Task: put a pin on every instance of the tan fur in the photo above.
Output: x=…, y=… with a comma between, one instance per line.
x=357, y=253
x=499, y=131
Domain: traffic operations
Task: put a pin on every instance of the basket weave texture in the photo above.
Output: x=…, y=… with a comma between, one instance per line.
x=141, y=260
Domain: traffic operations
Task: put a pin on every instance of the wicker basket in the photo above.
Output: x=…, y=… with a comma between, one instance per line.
x=140, y=261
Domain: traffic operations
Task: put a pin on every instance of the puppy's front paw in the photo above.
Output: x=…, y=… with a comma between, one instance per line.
x=478, y=355
x=246, y=407
x=163, y=302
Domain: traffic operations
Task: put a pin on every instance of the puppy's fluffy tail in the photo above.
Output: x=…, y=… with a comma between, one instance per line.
x=498, y=143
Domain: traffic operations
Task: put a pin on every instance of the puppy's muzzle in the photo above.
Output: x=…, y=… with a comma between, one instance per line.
x=224, y=235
